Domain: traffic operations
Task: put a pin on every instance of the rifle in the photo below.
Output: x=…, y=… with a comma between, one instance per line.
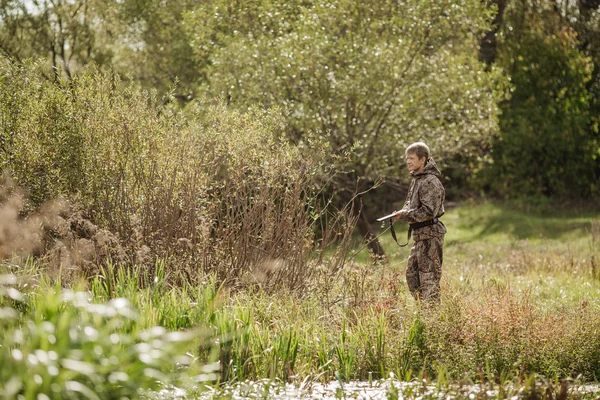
x=391, y=228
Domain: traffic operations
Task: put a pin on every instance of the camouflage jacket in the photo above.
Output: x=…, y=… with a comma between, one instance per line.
x=425, y=201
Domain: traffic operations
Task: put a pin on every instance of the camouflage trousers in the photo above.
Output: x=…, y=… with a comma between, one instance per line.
x=424, y=269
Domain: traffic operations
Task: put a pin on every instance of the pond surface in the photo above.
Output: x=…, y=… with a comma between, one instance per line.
x=383, y=389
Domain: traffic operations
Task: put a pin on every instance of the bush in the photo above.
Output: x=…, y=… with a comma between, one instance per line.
x=41, y=143
x=214, y=190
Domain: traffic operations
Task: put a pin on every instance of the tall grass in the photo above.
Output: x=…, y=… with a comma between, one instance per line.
x=499, y=331
x=533, y=311
x=56, y=343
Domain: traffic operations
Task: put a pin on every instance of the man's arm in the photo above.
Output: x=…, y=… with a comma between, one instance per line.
x=430, y=198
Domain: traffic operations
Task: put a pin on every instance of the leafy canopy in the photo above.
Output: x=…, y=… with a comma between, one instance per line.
x=548, y=144
x=371, y=75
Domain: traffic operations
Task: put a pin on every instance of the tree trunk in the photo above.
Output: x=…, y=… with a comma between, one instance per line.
x=587, y=6
x=487, y=45
x=365, y=229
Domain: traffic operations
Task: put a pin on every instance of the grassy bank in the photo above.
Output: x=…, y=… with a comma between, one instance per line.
x=521, y=295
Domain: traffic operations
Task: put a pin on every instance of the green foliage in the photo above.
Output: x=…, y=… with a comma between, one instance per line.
x=41, y=143
x=144, y=41
x=69, y=347
x=157, y=53
x=548, y=145
x=369, y=76
x=414, y=351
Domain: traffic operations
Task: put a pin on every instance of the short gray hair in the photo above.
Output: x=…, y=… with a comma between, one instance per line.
x=420, y=149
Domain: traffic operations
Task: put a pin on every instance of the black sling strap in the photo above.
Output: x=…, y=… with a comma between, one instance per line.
x=394, y=234
x=411, y=227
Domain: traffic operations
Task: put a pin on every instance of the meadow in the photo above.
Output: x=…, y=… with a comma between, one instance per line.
x=520, y=313
x=185, y=191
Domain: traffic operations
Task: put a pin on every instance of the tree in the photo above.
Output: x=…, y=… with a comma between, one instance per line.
x=489, y=42
x=371, y=76
x=548, y=145
x=68, y=33
x=587, y=26
x=144, y=41
x=157, y=52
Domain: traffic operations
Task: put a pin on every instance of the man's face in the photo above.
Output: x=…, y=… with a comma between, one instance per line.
x=414, y=163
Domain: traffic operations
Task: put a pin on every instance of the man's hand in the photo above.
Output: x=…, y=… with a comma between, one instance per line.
x=398, y=216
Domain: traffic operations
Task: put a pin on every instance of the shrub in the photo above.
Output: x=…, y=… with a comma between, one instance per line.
x=215, y=190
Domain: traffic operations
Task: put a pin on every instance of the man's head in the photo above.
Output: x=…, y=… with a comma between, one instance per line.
x=417, y=155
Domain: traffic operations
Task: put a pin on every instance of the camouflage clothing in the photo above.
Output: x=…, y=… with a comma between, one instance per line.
x=425, y=201
x=424, y=269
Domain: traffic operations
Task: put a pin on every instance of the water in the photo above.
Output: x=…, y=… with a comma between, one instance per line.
x=333, y=390
x=278, y=391
x=383, y=389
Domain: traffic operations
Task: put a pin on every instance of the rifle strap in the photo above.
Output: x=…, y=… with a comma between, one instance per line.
x=416, y=225
x=394, y=234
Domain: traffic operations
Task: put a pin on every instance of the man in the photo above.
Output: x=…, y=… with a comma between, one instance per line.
x=424, y=205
